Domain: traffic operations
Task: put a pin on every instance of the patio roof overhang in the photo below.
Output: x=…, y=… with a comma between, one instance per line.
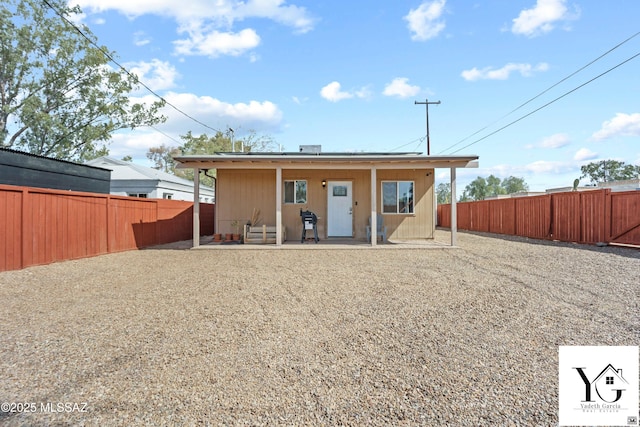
x=323, y=161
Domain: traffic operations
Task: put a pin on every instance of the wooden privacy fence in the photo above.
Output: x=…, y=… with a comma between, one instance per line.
x=579, y=216
x=41, y=226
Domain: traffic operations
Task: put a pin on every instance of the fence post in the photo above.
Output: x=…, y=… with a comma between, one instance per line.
x=607, y=216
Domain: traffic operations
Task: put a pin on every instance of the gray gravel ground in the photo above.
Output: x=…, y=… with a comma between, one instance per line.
x=392, y=336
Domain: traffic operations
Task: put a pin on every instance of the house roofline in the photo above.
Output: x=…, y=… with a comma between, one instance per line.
x=339, y=160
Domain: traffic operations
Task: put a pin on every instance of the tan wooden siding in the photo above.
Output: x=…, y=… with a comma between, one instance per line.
x=420, y=224
x=240, y=191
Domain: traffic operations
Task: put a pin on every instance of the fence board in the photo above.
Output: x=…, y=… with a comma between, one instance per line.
x=585, y=217
x=502, y=219
x=480, y=215
x=10, y=228
x=625, y=217
x=594, y=211
x=533, y=216
x=463, y=211
x=41, y=226
x=565, y=216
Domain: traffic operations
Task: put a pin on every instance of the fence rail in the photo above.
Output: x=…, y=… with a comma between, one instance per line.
x=41, y=226
x=583, y=217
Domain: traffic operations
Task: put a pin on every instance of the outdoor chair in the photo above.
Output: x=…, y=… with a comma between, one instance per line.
x=381, y=229
x=309, y=222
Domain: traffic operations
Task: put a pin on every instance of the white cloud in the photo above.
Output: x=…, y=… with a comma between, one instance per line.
x=157, y=75
x=621, y=125
x=542, y=17
x=424, y=22
x=333, y=92
x=488, y=73
x=584, y=154
x=216, y=43
x=140, y=38
x=210, y=26
x=555, y=141
x=263, y=117
x=401, y=88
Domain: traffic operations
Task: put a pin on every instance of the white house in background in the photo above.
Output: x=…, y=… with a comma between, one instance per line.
x=625, y=185
x=129, y=179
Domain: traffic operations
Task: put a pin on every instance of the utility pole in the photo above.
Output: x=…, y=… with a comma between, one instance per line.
x=426, y=104
x=233, y=145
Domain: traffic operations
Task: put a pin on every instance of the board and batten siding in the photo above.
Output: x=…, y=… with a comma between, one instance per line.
x=239, y=192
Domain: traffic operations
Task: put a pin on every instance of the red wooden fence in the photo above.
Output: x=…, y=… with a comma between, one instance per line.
x=584, y=216
x=40, y=226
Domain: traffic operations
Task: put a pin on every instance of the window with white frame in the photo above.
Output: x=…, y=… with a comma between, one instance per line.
x=295, y=191
x=397, y=197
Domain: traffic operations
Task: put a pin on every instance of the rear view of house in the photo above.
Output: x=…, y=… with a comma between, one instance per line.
x=347, y=191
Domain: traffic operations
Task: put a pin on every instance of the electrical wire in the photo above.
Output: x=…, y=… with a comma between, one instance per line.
x=548, y=103
x=105, y=53
x=418, y=140
x=541, y=93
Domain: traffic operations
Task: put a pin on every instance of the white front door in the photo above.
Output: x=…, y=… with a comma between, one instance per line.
x=339, y=209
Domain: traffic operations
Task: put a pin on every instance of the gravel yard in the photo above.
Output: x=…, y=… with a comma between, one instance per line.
x=401, y=336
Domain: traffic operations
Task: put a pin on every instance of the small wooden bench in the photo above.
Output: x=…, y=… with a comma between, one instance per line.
x=262, y=234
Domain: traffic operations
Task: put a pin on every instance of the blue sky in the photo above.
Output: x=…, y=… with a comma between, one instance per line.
x=345, y=75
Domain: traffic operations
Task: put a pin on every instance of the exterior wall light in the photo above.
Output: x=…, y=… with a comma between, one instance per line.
x=324, y=183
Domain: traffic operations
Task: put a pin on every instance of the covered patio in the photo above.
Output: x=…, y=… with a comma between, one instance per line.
x=367, y=171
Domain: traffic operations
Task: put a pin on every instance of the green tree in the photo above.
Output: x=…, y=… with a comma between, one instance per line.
x=475, y=190
x=609, y=170
x=162, y=156
x=494, y=187
x=443, y=190
x=481, y=188
x=514, y=184
x=58, y=96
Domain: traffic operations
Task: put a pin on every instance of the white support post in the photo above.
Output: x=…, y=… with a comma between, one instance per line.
x=279, y=206
x=196, y=207
x=374, y=216
x=454, y=213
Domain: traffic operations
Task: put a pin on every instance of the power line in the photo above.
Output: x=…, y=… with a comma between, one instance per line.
x=165, y=134
x=548, y=103
x=542, y=93
x=419, y=140
x=105, y=53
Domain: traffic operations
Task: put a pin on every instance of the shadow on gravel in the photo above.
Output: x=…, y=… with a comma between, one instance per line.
x=627, y=252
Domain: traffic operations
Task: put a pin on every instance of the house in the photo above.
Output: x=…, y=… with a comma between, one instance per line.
x=344, y=190
x=129, y=179
x=609, y=384
x=31, y=170
x=623, y=185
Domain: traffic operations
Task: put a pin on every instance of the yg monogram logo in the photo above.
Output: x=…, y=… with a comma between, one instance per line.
x=592, y=389
x=606, y=384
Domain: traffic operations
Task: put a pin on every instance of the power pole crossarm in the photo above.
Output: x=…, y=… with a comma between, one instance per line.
x=426, y=104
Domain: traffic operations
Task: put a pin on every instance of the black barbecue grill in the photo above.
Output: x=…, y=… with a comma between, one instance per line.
x=309, y=222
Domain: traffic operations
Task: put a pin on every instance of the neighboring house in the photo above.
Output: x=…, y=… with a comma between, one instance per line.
x=344, y=190
x=623, y=185
x=518, y=194
x=30, y=170
x=129, y=179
